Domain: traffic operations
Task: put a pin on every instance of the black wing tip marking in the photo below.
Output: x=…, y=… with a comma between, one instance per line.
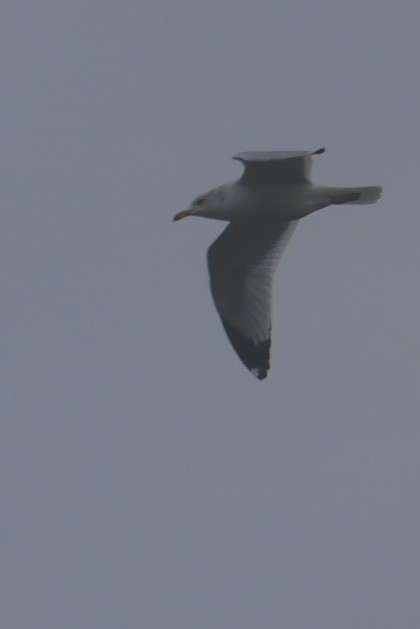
x=255, y=356
x=320, y=151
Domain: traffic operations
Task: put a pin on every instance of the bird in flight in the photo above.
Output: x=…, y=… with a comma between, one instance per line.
x=263, y=208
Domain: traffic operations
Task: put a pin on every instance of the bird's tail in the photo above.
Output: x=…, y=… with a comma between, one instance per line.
x=355, y=196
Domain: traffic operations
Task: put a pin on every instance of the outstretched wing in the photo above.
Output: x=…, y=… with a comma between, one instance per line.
x=267, y=168
x=241, y=263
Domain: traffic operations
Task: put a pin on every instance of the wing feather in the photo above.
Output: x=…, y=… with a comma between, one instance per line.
x=268, y=168
x=241, y=263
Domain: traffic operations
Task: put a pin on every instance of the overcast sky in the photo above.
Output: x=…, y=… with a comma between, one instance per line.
x=147, y=480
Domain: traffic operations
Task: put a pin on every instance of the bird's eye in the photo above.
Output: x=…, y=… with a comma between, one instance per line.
x=199, y=200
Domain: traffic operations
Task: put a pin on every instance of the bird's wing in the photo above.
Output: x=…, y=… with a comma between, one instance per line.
x=241, y=263
x=265, y=168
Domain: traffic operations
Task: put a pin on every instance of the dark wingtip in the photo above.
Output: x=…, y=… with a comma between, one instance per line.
x=255, y=356
x=261, y=375
x=320, y=151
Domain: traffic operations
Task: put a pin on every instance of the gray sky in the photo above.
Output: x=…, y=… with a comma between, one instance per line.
x=147, y=480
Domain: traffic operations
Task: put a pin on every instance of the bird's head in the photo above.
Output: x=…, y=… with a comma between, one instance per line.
x=207, y=205
x=199, y=204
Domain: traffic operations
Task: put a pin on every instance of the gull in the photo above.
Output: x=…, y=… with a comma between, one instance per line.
x=263, y=208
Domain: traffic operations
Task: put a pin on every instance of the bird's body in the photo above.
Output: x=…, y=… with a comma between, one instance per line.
x=263, y=208
x=232, y=201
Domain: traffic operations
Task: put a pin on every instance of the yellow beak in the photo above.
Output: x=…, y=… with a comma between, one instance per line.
x=182, y=214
